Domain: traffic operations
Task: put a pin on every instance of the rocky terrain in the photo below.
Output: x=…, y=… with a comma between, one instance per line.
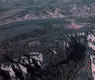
x=51, y=50
x=47, y=40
